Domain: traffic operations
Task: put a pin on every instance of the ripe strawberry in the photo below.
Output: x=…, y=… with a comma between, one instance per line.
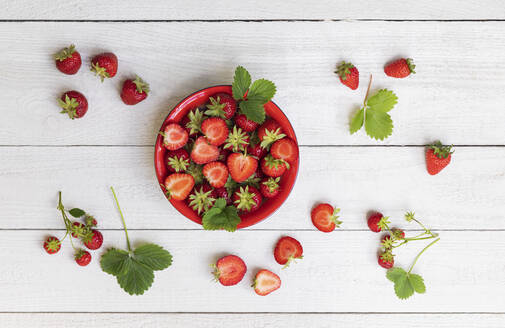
x=269, y=132
x=74, y=104
x=399, y=233
x=241, y=166
x=373, y=222
x=202, y=198
x=177, y=160
x=438, y=157
x=400, y=68
x=269, y=187
x=325, y=218
x=90, y=221
x=134, y=91
x=78, y=229
x=203, y=152
x=386, y=260
x=193, y=121
x=256, y=151
x=285, y=149
x=287, y=250
x=266, y=282
x=223, y=193
x=174, y=136
x=221, y=105
x=52, y=245
x=386, y=241
x=273, y=167
x=245, y=124
x=216, y=130
x=68, y=60
x=229, y=270
x=179, y=185
x=247, y=199
x=104, y=65
x=237, y=140
x=223, y=154
x=348, y=74
x=93, y=240
x=82, y=257
x=216, y=173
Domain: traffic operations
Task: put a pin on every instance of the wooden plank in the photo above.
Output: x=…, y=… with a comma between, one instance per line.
x=339, y=273
x=257, y=9
x=180, y=320
x=453, y=96
x=467, y=195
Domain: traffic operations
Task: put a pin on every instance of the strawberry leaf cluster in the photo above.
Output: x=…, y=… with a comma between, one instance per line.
x=406, y=283
x=221, y=216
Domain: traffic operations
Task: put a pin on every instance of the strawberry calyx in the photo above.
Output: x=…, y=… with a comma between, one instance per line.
x=69, y=106
x=410, y=64
x=99, y=71
x=237, y=140
x=334, y=217
x=179, y=164
x=387, y=256
x=409, y=216
x=292, y=259
x=80, y=253
x=65, y=53
x=90, y=221
x=272, y=184
x=215, y=108
x=272, y=162
x=344, y=69
x=141, y=85
x=216, y=273
x=245, y=199
x=441, y=151
x=383, y=224
x=195, y=121
x=195, y=171
x=271, y=137
x=200, y=201
x=78, y=229
x=387, y=242
x=52, y=244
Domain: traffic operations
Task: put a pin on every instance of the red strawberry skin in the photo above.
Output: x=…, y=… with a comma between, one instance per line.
x=349, y=75
x=108, y=61
x=82, y=106
x=245, y=124
x=373, y=221
x=270, y=125
x=216, y=130
x=285, y=149
x=266, y=282
x=216, y=173
x=275, y=170
x=52, y=245
x=83, y=258
x=71, y=64
x=321, y=217
x=96, y=240
x=255, y=195
x=203, y=152
x=400, y=68
x=230, y=270
x=287, y=248
x=434, y=164
x=265, y=189
x=223, y=193
x=256, y=151
x=230, y=104
x=241, y=166
x=181, y=155
x=386, y=264
x=130, y=94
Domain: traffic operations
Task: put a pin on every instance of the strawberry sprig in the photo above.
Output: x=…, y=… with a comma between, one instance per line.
x=405, y=282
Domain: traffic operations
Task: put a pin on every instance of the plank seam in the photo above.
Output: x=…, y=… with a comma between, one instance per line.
x=316, y=20
x=256, y=313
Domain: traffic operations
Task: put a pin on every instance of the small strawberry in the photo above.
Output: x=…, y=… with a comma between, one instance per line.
x=438, y=157
x=269, y=187
x=78, y=229
x=134, y=91
x=386, y=260
x=93, y=240
x=90, y=221
x=287, y=250
x=400, y=68
x=285, y=149
x=104, y=65
x=398, y=233
x=174, y=136
x=237, y=140
x=348, y=74
x=82, y=257
x=52, y=245
x=269, y=132
x=256, y=151
x=229, y=270
x=223, y=154
x=266, y=282
x=241, y=166
x=203, y=152
x=179, y=185
x=202, y=198
x=387, y=242
x=245, y=124
x=223, y=193
x=273, y=167
x=177, y=160
x=325, y=218
x=68, y=60
x=247, y=199
x=216, y=130
x=216, y=173
x=74, y=104
x=373, y=222
x=221, y=105
x=193, y=121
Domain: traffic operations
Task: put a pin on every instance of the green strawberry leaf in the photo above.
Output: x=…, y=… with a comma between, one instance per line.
x=114, y=262
x=383, y=101
x=154, y=256
x=262, y=89
x=253, y=109
x=241, y=83
x=138, y=279
x=395, y=273
x=357, y=121
x=76, y=212
x=403, y=288
x=378, y=125
x=405, y=284
x=417, y=283
x=221, y=217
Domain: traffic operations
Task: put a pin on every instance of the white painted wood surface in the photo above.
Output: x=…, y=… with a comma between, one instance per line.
x=457, y=96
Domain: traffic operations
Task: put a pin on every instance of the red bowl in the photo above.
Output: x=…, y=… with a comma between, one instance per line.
x=197, y=99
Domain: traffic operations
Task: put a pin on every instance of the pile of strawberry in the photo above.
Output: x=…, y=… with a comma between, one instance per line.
x=223, y=151
x=85, y=231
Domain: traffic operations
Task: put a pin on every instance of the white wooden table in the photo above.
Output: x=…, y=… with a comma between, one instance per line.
x=180, y=46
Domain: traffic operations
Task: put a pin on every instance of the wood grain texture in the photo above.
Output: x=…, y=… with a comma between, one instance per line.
x=339, y=273
x=256, y=9
x=123, y=320
x=453, y=96
x=466, y=195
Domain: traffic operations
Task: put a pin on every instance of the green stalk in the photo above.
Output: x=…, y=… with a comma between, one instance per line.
x=421, y=252
x=122, y=219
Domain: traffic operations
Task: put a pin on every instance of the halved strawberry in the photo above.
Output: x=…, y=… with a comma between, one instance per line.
x=287, y=250
x=285, y=149
x=325, y=218
x=229, y=270
x=179, y=185
x=266, y=282
x=273, y=167
x=174, y=136
x=269, y=187
x=269, y=132
x=216, y=173
x=203, y=152
x=216, y=130
x=241, y=166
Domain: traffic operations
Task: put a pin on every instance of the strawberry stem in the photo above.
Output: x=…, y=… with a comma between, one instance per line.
x=367, y=91
x=122, y=219
x=421, y=252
